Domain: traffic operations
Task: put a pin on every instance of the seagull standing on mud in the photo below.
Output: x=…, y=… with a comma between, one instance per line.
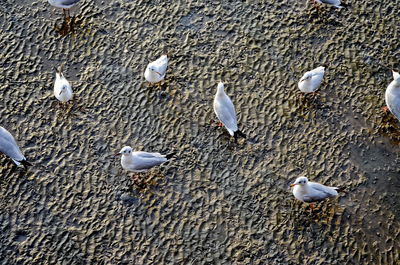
x=225, y=111
x=62, y=88
x=307, y=191
x=155, y=71
x=10, y=148
x=64, y=4
x=311, y=80
x=141, y=161
x=392, y=95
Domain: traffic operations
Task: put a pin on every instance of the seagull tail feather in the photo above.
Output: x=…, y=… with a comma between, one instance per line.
x=170, y=155
x=238, y=134
x=25, y=163
x=340, y=189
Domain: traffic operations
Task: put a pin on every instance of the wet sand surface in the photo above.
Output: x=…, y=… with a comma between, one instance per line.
x=216, y=202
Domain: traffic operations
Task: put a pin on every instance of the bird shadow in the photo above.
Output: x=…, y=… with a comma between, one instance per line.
x=308, y=103
x=320, y=213
x=69, y=109
x=323, y=16
x=388, y=126
x=144, y=183
x=13, y=171
x=70, y=25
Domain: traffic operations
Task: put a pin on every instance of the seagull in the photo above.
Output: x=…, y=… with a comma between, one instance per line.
x=392, y=95
x=307, y=191
x=9, y=147
x=225, y=111
x=62, y=88
x=335, y=3
x=155, y=71
x=141, y=161
x=64, y=4
x=311, y=80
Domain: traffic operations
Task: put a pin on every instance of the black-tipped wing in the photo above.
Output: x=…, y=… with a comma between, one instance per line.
x=69, y=2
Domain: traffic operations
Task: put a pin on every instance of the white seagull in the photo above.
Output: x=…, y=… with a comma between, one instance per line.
x=62, y=88
x=64, y=4
x=311, y=80
x=225, y=111
x=335, y=3
x=392, y=95
x=307, y=191
x=141, y=161
x=155, y=71
x=9, y=147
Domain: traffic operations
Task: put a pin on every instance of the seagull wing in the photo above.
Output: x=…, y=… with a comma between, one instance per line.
x=331, y=2
x=225, y=111
x=9, y=146
x=392, y=99
x=145, y=160
x=319, y=192
x=68, y=2
x=161, y=64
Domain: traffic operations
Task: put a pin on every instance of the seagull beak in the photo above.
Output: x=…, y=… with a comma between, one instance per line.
x=61, y=92
x=158, y=73
x=292, y=185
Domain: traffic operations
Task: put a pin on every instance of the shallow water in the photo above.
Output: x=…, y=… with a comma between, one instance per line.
x=217, y=202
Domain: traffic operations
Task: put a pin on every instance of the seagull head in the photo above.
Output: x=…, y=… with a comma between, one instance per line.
x=220, y=86
x=300, y=181
x=396, y=75
x=153, y=69
x=63, y=89
x=306, y=76
x=126, y=150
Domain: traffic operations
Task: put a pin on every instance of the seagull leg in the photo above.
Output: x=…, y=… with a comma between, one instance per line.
x=385, y=109
x=136, y=179
x=315, y=93
x=219, y=124
x=315, y=4
x=301, y=95
x=312, y=207
x=61, y=105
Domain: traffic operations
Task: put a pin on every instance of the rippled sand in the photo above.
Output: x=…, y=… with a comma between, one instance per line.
x=216, y=202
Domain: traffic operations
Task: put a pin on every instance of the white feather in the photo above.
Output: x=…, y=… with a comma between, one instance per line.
x=224, y=109
x=62, y=88
x=140, y=161
x=308, y=191
x=311, y=80
x=155, y=71
x=392, y=95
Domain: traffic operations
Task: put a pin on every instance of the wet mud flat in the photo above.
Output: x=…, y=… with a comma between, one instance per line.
x=216, y=202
